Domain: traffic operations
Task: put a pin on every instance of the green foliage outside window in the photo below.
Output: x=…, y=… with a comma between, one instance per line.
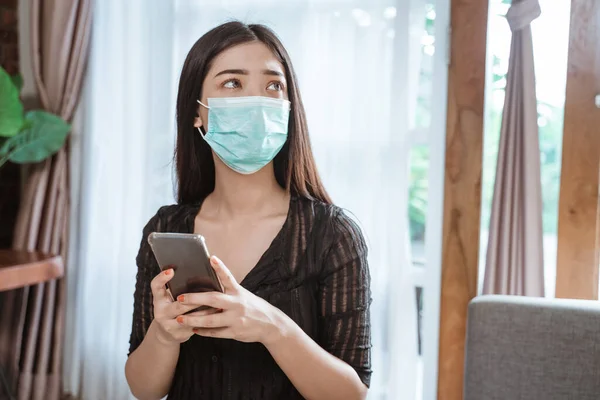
x=550, y=122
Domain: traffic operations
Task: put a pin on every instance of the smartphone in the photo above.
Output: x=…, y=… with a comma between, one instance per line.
x=187, y=254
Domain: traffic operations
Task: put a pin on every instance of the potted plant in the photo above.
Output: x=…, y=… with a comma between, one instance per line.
x=26, y=137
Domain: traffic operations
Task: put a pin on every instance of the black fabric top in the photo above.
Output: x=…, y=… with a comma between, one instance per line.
x=315, y=271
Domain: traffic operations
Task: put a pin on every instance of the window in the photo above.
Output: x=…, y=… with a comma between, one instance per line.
x=552, y=27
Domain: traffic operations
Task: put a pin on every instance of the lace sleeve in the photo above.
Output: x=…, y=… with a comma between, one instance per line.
x=345, y=296
x=148, y=268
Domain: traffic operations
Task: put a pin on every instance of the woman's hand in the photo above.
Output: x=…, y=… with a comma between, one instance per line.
x=244, y=317
x=166, y=312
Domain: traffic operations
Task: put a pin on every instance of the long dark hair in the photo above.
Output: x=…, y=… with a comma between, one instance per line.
x=295, y=168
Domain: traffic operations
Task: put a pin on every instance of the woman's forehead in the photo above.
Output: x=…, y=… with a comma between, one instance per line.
x=247, y=56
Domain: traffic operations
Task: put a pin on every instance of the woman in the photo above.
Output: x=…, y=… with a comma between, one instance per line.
x=293, y=266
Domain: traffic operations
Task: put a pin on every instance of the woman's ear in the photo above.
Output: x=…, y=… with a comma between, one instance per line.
x=198, y=120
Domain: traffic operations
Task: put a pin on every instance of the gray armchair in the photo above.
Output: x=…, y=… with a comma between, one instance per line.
x=532, y=349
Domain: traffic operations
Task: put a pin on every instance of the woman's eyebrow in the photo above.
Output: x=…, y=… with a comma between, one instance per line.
x=233, y=71
x=272, y=72
x=246, y=72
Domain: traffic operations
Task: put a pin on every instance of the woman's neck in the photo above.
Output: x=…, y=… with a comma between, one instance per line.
x=244, y=195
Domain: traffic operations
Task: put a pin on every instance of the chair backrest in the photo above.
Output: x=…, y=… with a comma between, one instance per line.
x=532, y=349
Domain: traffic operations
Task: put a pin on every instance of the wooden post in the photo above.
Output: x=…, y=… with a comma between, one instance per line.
x=578, y=212
x=462, y=187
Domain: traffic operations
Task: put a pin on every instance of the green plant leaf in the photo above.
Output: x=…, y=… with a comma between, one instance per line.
x=17, y=80
x=45, y=135
x=11, y=108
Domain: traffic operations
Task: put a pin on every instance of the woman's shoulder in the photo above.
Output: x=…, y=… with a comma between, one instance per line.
x=337, y=224
x=172, y=215
x=336, y=237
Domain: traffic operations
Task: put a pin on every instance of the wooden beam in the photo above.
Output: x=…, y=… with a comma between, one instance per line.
x=462, y=187
x=577, y=258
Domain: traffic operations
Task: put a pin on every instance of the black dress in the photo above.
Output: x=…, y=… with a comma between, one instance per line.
x=315, y=271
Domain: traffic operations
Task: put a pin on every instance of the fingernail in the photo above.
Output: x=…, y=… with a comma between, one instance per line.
x=181, y=298
x=180, y=319
x=168, y=271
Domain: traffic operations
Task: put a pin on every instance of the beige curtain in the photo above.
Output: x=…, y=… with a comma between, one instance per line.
x=514, y=262
x=32, y=348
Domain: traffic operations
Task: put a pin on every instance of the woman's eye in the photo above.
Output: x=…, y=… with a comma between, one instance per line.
x=277, y=86
x=231, y=84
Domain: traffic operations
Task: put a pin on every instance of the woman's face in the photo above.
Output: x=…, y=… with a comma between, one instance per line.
x=249, y=69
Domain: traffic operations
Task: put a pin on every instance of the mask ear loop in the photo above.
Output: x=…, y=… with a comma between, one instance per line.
x=202, y=134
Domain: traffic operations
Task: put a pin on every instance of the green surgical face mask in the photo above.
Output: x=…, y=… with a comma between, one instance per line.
x=246, y=133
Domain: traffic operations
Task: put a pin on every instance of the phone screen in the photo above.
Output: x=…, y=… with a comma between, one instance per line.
x=188, y=256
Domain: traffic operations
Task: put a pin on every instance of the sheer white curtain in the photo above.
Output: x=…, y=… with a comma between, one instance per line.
x=125, y=176
x=357, y=64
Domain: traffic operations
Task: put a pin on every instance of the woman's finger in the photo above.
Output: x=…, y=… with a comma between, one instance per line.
x=210, y=299
x=225, y=276
x=206, y=311
x=158, y=283
x=175, y=308
x=222, y=333
x=215, y=320
x=176, y=331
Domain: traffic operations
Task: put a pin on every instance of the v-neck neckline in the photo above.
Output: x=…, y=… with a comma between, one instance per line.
x=273, y=252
